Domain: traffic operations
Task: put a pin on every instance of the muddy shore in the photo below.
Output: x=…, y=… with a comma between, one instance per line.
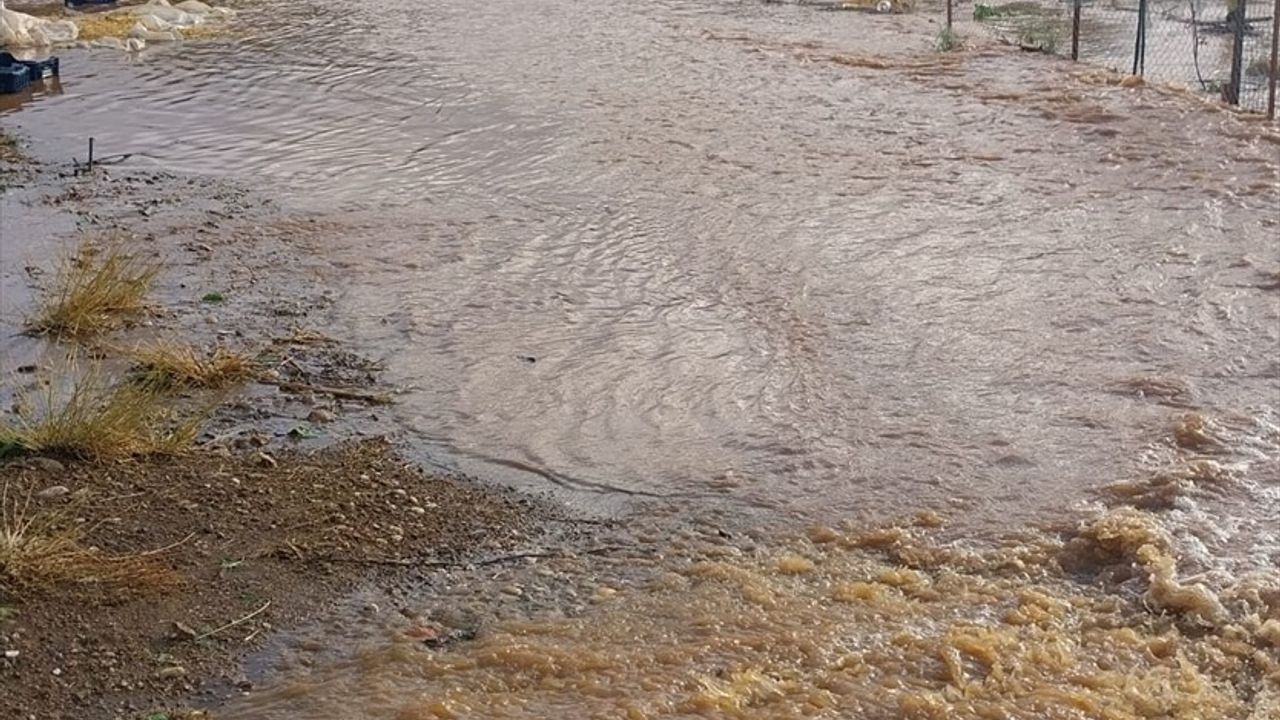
x=290, y=500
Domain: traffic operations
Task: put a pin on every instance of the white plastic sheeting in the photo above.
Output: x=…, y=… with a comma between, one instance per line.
x=160, y=21
x=19, y=30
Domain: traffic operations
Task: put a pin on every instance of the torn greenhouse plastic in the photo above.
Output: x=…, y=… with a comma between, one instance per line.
x=19, y=30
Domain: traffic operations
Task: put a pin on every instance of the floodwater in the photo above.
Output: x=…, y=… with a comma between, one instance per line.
x=787, y=267
x=837, y=627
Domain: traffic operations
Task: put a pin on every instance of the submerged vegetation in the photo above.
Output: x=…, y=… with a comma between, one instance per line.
x=172, y=364
x=1030, y=25
x=948, y=40
x=1041, y=34
x=78, y=413
x=97, y=288
x=9, y=150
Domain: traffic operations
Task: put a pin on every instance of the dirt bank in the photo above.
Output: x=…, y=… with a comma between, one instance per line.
x=246, y=547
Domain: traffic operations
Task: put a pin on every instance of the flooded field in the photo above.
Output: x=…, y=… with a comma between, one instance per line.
x=781, y=269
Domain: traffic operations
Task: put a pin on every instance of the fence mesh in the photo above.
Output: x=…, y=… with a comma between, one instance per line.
x=1187, y=42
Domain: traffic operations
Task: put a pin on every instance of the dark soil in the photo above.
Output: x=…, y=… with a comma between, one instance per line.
x=256, y=544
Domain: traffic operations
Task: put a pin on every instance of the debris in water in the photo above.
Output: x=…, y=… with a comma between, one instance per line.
x=835, y=626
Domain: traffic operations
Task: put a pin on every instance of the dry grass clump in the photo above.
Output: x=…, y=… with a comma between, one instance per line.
x=9, y=150
x=105, y=25
x=39, y=552
x=169, y=365
x=95, y=289
x=80, y=415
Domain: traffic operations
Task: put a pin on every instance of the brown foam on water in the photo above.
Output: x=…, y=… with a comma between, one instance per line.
x=878, y=624
x=1163, y=490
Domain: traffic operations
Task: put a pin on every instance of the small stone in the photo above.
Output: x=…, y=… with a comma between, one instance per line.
x=320, y=415
x=265, y=460
x=422, y=632
x=183, y=631
x=416, y=509
x=48, y=465
x=53, y=491
x=171, y=673
x=604, y=594
x=513, y=590
x=57, y=672
x=10, y=654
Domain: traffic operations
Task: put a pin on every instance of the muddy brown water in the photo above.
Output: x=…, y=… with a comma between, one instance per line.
x=777, y=265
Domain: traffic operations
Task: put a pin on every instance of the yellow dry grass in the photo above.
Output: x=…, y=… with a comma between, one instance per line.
x=120, y=23
x=81, y=415
x=184, y=365
x=40, y=551
x=9, y=150
x=105, y=25
x=94, y=290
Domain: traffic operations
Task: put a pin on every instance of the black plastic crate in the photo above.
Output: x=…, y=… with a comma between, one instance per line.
x=36, y=69
x=14, y=78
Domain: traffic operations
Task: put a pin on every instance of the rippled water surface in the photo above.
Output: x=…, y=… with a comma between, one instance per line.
x=699, y=249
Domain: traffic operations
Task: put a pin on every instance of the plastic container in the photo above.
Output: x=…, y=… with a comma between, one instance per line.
x=41, y=69
x=14, y=78
x=36, y=69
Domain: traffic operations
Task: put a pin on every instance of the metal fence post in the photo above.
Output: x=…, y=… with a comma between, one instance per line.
x=1275, y=62
x=1140, y=40
x=949, y=3
x=1237, y=53
x=1075, y=29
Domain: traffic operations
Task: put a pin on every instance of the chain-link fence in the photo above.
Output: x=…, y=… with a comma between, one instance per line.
x=1223, y=48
